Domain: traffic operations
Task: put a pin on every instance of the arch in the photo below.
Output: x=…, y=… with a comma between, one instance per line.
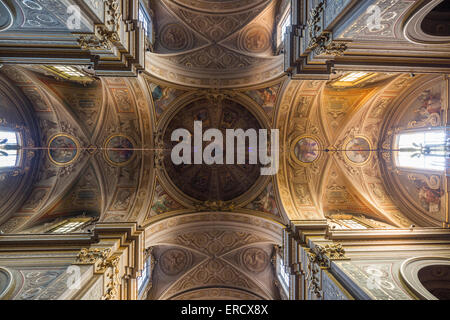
x=413, y=26
x=6, y=16
x=17, y=115
x=7, y=283
x=185, y=100
x=411, y=188
x=411, y=272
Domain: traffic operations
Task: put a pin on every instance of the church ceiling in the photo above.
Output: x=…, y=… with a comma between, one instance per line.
x=321, y=125
x=210, y=251
x=319, y=176
x=212, y=182
x=105, y=174
x=420, y=193
x=119, y=113
x=204, y=43
x=100, y=149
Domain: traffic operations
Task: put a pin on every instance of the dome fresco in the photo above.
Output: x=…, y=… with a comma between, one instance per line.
x=212, y=182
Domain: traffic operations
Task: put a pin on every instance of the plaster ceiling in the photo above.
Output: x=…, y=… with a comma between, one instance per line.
x=218, y=182
x=214, y=256
x=215, y=43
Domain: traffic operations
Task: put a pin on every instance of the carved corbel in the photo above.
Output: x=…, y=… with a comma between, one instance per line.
x=97, y=257
x=326, y=254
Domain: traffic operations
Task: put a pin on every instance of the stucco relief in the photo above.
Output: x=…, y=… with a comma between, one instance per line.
x=214, y=256
x=255, y=259
x=194, y=41
x=392, y=11
x=174, y=37
x=379, y=280
x=174, y=261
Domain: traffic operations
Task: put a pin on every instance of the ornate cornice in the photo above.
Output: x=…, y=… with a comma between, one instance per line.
x=92, y=256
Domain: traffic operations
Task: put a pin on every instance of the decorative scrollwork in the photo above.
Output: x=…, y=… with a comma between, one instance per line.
x=93, y=43
x=107, y=34
x=214, y=206
x=112, y=275
x=159, y=150
x=321, y=42
x=321, y=257
x=92, y=255
x=331, y=49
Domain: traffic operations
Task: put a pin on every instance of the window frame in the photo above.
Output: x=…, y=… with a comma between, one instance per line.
x=416, y=169
x=339, y=219
x=287, y=14
x=82, y=77
x=84, y=222
x=19, y=154
x=149, y=34
x=278, y=262
x=145, y=275
x=149, y=262
x=342, y=84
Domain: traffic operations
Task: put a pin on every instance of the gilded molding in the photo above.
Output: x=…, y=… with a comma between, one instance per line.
x=214, y=206
x=92, y=255
x=112, y=277
x=319, y=258
x=105, y=34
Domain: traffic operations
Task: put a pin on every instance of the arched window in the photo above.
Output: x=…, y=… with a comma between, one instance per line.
x=427, y=277
x=423, y=149
x=9, y=149
x=145, y=276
